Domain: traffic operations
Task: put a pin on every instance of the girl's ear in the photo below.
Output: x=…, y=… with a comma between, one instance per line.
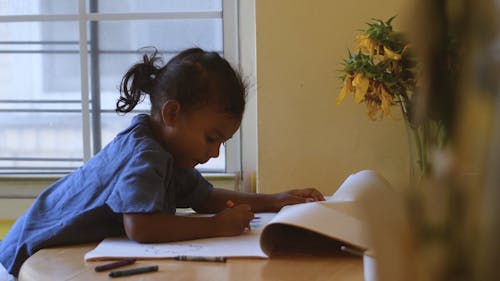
x=170, y=112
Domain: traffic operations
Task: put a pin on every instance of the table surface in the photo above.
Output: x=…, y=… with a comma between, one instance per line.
x=67, y=263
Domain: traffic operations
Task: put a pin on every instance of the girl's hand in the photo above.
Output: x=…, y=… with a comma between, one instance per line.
x=233, y=221
x=297, y=196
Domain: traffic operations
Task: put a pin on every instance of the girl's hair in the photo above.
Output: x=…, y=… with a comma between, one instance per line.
x=193, y=77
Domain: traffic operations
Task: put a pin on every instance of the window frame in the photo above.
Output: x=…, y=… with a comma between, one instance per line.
x=229, y=15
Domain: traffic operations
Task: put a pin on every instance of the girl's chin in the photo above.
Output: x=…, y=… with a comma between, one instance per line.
x=187, y=164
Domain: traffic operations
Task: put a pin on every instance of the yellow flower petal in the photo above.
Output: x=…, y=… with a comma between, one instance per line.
x=388, y=53
x=343, y=93
x=361, y=36
x=348, y=83
x=386, y=102
x=360, y=84
x=366, y=45
x=372, y=110
x=363, y=41
x=406, y=48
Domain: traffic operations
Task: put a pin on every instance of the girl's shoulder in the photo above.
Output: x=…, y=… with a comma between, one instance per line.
x=133, y=146
x=139, y=124
x=137, y=137
x=138, y=131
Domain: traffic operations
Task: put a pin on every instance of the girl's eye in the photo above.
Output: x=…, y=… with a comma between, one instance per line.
x=210, y=139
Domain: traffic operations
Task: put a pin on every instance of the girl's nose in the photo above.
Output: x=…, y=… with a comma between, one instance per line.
x=214, y=151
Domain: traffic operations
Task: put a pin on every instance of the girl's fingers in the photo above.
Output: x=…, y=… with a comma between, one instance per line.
x=309, y=193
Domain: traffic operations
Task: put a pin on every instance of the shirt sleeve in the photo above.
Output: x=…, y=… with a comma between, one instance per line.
x=140, y=187
x=192, y=188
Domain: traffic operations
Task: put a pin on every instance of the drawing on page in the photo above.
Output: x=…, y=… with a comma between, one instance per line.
x=171, y=249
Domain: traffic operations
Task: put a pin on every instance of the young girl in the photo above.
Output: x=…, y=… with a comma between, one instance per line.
x=134, y=185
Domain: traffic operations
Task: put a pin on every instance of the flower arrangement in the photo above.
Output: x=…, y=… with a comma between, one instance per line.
x=382, y=72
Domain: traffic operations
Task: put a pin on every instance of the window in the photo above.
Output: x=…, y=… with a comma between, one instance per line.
x=61, y=62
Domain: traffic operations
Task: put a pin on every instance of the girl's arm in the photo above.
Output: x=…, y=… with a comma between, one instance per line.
x=258, y=202
x=157, y=227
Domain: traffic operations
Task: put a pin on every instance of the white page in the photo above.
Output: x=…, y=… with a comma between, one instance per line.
x=245, y=245
x=358, y=183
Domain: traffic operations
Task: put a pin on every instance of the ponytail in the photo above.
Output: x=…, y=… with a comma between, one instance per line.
x=140, y=79
x=193, y=77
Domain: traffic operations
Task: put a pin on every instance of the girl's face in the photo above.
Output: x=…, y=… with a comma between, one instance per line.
x=196, y=136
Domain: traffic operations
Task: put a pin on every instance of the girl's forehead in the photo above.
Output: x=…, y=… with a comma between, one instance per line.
x=212, y=116
x=214, y=111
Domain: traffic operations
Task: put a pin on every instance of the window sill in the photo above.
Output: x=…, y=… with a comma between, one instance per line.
x=29, y=186
x=18, y=192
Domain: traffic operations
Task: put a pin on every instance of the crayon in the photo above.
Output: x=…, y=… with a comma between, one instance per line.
x=113, y=265
x=133, y=271
x=200, y=258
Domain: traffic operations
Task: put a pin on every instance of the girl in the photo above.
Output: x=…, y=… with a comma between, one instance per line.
x=134, y=185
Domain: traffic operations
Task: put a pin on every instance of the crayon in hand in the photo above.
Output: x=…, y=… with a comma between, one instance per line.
x=230, y=204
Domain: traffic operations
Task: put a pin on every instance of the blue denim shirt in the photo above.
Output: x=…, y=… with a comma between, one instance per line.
x=132, y=174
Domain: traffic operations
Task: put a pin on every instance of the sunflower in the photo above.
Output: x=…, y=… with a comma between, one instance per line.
x=380, y=73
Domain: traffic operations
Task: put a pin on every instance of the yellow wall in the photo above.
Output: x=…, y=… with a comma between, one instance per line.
x=304, y=139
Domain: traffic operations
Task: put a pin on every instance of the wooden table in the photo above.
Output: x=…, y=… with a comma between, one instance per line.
x=67, y=263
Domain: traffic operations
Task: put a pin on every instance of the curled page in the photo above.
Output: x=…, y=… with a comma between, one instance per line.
x=358, y=183
x=338, y=221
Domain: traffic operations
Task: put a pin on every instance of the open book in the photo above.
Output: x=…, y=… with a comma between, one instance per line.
x=321, y=225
